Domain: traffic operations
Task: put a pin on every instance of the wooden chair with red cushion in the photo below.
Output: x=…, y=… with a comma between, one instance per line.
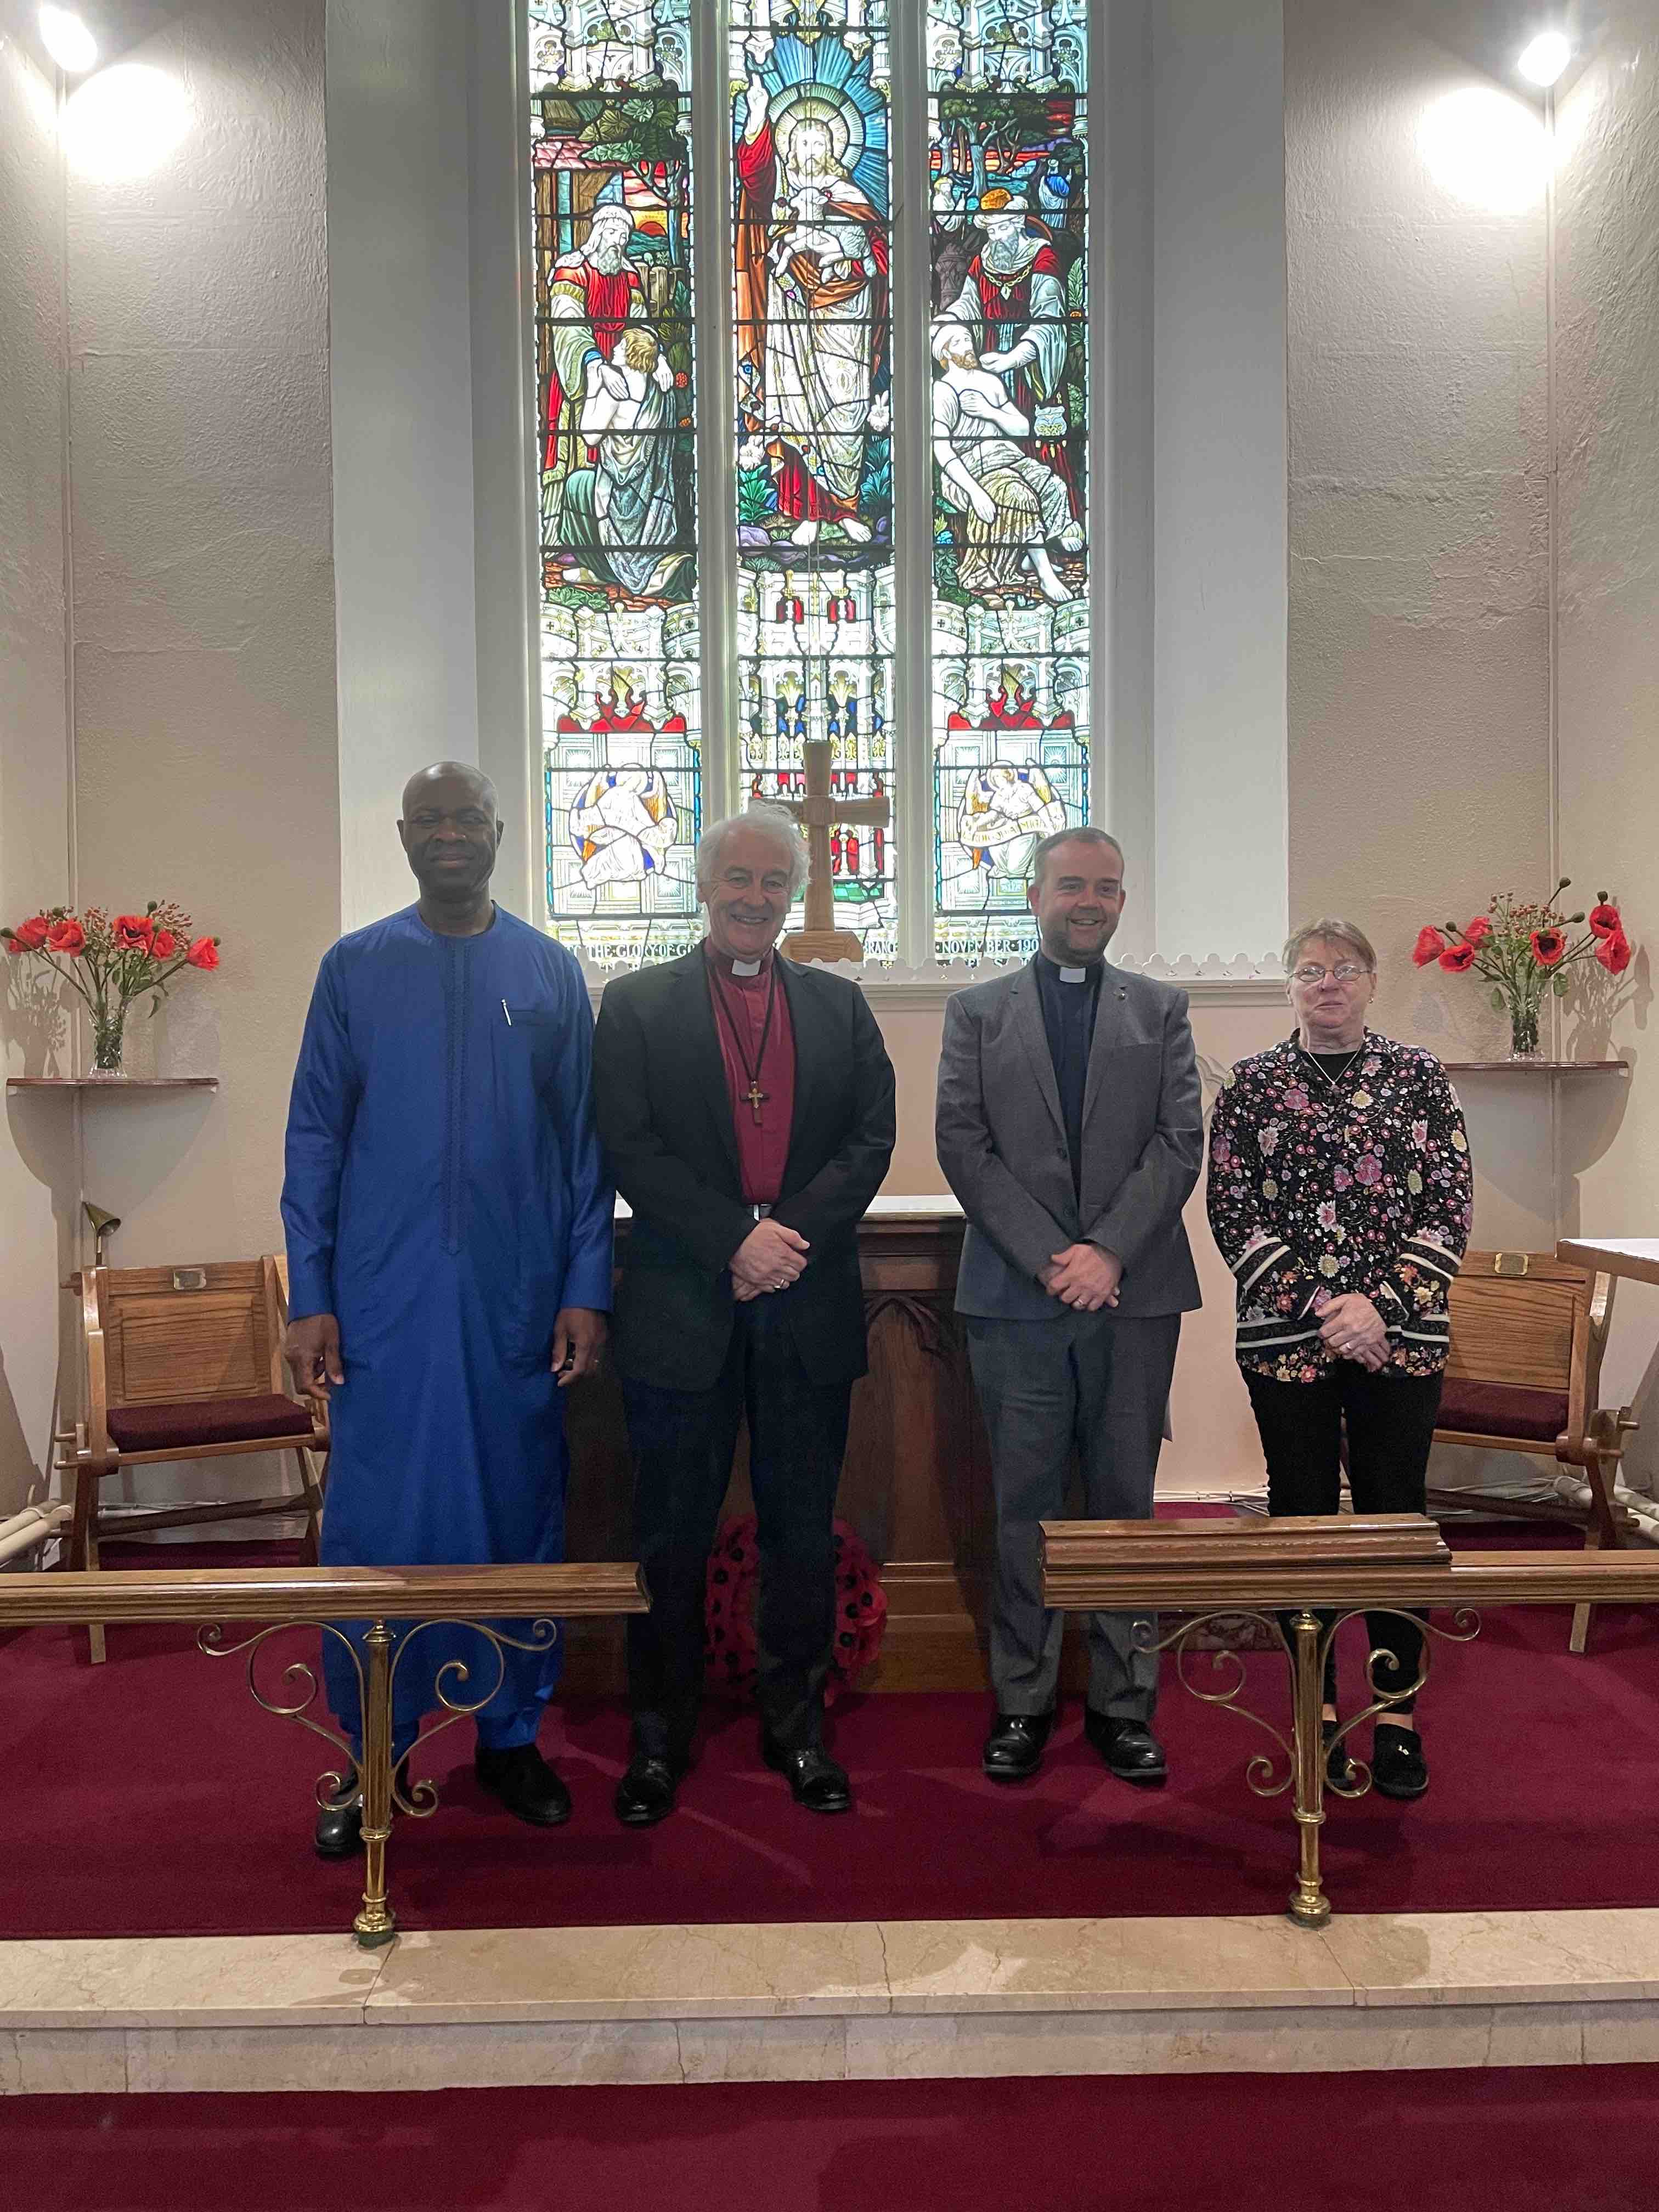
x=1527, y=1334
x=186, y=1363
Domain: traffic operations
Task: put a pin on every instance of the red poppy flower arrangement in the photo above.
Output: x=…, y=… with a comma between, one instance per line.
x=729, y=1640
x=1524, y=949
x=112, y=961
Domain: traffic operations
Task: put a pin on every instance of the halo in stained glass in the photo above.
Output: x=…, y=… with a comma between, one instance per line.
x=813, y=508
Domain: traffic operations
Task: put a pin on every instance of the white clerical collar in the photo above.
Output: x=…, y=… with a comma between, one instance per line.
x=746, y=967
x=1072, y=975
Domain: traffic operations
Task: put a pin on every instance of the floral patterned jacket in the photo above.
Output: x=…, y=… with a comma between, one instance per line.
x=1317, y=1188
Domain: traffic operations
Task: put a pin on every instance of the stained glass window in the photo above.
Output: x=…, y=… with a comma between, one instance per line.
x=812, y=334
x=610, y=166
x=1007, y=86
x=793, y=616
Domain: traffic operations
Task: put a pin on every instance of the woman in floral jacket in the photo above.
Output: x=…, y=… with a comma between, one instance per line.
x=1339, y=1193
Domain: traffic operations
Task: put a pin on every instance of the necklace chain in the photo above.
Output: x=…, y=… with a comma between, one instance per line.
x=755, y=1095
x=1335, y=1081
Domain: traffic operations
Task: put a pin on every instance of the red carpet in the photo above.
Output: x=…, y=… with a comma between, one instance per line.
x=1567, y=2139
x=151, y=1797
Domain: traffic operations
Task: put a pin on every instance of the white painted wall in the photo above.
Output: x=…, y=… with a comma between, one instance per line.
x=1120, y=338
x=37, y=1164
x=205, y=711
x=1420, y=580
x=1220, y=610
x=399, y=319
x=1607, y=440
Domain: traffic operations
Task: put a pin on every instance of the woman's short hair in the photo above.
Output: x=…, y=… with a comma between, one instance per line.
x=1333, y=928
x=776, y=823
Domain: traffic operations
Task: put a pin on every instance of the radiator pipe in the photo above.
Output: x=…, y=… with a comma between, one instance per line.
x=22, y=1531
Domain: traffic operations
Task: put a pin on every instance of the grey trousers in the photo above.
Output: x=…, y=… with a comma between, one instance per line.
x=1100, y=1382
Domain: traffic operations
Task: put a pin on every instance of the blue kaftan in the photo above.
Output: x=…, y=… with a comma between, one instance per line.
x=445, y=1197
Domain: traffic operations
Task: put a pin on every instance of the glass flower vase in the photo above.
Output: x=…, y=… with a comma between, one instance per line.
x=1524, y=1030
x=107, y=1042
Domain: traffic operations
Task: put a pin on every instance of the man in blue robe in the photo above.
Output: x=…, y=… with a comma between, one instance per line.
x=449, y=1226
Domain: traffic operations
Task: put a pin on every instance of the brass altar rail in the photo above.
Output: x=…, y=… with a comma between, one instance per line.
x=394, y=1604
x=1284, y=1575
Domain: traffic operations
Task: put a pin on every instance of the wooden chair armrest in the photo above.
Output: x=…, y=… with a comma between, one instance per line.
x=1608, y=1427
x=99, y=1450
x=274, y=1291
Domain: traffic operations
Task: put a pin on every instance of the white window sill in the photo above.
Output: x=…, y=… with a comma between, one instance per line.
x=1238, y=982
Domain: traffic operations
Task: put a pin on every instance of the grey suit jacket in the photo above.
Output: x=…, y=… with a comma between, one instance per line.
x=1002, y=1140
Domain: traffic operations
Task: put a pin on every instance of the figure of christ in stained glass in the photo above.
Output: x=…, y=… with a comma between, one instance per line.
x=1008, y=80
x=611, y=197
x=813, y=328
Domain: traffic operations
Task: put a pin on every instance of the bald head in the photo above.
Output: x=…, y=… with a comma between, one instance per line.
x=450, y=831
x=444, y=771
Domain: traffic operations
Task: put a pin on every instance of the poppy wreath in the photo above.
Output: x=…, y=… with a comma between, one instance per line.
x=729, y=1640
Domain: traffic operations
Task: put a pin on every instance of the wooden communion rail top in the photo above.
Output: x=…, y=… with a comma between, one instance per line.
x=1283, y=1574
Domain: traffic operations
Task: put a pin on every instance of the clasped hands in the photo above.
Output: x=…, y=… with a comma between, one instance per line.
x=312, y=1347
x=1082, y=1276
x=770, y=1257
x=1351, y=1326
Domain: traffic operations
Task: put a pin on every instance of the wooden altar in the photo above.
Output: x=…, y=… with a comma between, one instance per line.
x=916, y=1483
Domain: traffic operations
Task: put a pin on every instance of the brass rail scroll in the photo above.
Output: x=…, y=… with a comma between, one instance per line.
x=1287, y=1576
x=390, y=1606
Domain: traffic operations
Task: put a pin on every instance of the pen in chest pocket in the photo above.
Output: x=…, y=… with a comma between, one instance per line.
x=508, y=1016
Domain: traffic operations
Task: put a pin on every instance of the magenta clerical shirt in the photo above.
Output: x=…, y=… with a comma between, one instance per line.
x=739, y=1005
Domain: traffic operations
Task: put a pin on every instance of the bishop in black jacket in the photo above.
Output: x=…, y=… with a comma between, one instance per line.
x=745, y=1106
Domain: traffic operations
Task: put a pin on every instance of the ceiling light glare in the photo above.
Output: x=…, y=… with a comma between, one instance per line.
x=1488, y=149
x=68, y=41
x=1543, y=61
x=125, y=122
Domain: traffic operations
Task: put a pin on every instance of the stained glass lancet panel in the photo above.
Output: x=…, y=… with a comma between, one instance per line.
x=1007, y=100
x=610, y=162
x=813, y=513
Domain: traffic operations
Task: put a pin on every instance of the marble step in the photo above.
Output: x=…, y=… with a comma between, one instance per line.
x=829, y=2001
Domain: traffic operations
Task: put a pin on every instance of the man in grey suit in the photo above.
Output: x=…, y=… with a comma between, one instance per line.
x=1069, y=1126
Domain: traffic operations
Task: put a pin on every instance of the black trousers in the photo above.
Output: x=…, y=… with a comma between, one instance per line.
x=683, y=1442
x=1389, y=1420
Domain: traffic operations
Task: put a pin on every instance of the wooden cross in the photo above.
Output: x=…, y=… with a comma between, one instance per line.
x=756, y=1096
x=818, y=813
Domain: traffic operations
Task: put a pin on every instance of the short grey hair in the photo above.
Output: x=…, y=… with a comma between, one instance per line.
x=776, y=823
x=1084, y=834
x=1333, y=928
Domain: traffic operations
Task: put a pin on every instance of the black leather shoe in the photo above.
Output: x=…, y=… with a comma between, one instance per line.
x=1339, y=1767
x=1129, y=1747
x=646, y=1793
x=525, y=1783
x=1397, y=1766
x=815, y=1780
x=339, y=1830
x=1013, y=1750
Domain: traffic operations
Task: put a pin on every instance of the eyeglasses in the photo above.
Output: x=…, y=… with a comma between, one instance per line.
x=1346, y=971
